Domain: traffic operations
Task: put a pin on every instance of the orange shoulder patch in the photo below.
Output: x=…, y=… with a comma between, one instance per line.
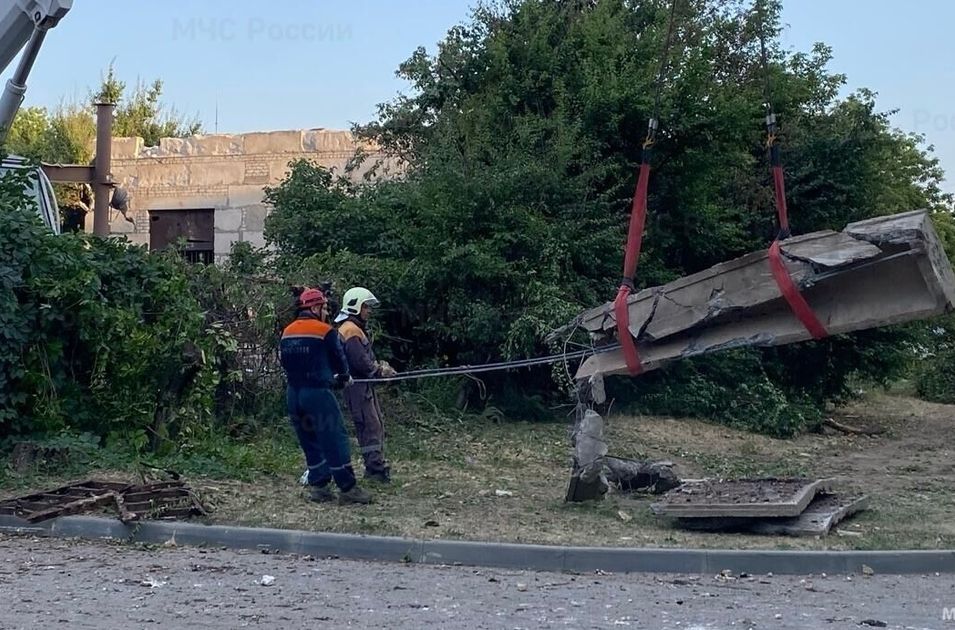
x=349, y=330
x=306, y=328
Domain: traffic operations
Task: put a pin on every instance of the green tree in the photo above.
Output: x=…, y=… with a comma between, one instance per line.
x=140, y=112
x=520, y=139
x=29, y=133
x=66, y=134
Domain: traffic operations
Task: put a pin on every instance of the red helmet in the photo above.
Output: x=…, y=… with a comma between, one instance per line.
x=310, y=298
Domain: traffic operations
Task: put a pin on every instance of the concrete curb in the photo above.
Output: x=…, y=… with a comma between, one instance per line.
x=499, y=555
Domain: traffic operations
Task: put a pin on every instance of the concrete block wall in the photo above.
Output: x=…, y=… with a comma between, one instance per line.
x=224, y=172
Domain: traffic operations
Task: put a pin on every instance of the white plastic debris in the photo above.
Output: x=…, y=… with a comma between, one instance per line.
x=152, y=583
x=267, y=580
x=504, y=493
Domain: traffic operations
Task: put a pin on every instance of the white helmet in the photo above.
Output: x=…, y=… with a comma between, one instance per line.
x=353, y=300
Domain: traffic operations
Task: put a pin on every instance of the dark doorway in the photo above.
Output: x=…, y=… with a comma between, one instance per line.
x=190, y=231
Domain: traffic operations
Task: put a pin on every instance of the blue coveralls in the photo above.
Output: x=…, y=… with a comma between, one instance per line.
x=312, y=354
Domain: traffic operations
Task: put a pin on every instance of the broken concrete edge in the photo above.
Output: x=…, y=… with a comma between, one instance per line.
x=491, y=555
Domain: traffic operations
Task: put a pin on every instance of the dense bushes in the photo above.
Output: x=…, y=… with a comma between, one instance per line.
x=101, y=337
x=519, y=142
x=935, y=373
x=520, y=139
x=98, y=336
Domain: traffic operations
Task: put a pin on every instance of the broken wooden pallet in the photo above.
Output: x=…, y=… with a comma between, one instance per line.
x=877, y=272
x=166, y=499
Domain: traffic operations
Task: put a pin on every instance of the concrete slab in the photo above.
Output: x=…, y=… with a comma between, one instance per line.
x=818, y=519
x=740, y=498
x=254, y=220
x=222, y=245
x=228, y=220
x=875, y=273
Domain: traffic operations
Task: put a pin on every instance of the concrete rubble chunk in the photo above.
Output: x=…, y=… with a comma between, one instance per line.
x=588, y=481
x=877, y=272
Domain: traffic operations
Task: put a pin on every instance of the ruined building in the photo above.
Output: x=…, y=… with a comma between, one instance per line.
x=208, y=189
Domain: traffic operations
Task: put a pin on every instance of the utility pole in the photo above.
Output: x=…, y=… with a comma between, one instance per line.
x=102, y=177
x=98, y=174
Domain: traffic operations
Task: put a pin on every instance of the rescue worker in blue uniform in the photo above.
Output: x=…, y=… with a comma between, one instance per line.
x=314, y=362
x=360, y=398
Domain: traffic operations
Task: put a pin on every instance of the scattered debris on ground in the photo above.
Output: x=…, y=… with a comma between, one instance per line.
x=448, y=476
x=164, y=500
x=794, y=506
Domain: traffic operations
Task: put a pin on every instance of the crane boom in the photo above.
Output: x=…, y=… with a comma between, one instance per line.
x=23, y=25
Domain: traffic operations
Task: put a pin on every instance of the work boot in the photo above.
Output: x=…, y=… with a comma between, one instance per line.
x=354, y=495
x=380, y=476
x=320, y=494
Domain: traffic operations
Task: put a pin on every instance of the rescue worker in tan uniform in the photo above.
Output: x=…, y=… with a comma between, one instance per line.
x=360, y=398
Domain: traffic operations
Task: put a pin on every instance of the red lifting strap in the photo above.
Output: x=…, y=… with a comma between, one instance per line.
x=621, y=310
x=780, y=187
x=797, y=302
x=784, y=281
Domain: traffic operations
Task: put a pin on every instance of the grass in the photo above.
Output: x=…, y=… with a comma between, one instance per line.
x=448, y=473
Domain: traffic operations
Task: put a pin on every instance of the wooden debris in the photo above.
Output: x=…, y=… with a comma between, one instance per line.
x=72, y=507
x=874, y=273
x=845, y=428
x=60, y=496
x=168, y=499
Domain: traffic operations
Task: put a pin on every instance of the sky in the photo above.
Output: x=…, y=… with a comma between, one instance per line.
x=252, y=65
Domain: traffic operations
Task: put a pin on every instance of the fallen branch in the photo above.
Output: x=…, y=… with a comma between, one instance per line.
x=845, y=428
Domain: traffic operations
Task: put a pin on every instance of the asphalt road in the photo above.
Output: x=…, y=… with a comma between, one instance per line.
x=53, y=583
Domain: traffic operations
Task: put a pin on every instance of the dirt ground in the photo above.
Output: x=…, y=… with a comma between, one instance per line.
x=58, y=583
x=507, y=482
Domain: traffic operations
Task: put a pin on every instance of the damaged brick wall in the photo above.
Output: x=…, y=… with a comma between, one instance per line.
x=224, y=173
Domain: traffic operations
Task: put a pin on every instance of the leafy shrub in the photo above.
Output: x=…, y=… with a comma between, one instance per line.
x=97, y=335
x=519, y=142
x=935, y=374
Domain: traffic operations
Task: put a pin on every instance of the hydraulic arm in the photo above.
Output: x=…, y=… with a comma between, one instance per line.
x=23, y=25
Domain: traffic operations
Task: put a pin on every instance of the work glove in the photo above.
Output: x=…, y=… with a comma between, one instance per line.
x=385, y=370
x=343, y=380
